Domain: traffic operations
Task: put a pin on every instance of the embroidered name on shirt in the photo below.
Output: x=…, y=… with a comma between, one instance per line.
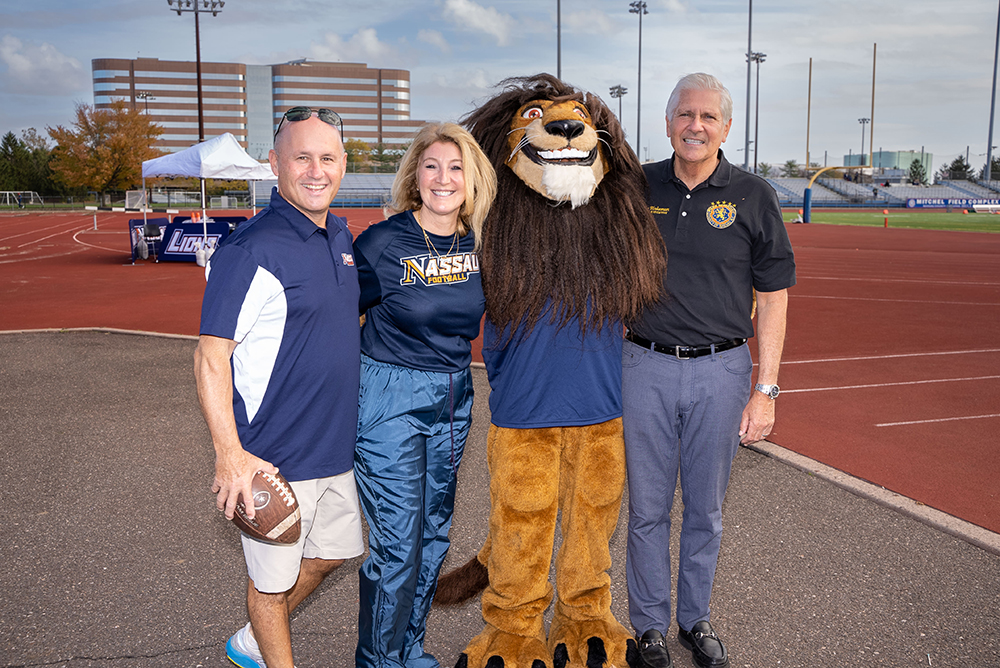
x=721, y=214
x=438, y=270
x=659, y=209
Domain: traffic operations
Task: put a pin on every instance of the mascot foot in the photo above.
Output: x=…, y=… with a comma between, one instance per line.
x=594, y=644
x=495, y=649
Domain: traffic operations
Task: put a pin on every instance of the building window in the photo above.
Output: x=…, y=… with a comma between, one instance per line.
x=325, y=92
x=332, y=80
x=110, y=74
x=185, y=75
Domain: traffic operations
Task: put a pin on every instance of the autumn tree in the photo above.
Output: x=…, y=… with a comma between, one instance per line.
x=357, y=153
x=105, y=148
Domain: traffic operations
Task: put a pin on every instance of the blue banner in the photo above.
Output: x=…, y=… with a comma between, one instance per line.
x=943, y=203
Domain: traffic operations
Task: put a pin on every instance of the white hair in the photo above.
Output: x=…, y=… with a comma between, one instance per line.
x=701, y=81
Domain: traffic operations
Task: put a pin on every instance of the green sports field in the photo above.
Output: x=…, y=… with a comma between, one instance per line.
x=918, y=219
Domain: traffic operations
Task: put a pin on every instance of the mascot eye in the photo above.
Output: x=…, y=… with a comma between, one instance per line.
x=580, y=112
x=532, y=113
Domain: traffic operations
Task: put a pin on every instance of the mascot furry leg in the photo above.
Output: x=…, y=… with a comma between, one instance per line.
x=563, y=463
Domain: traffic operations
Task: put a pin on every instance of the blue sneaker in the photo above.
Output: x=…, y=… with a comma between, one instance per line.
x=243, y=651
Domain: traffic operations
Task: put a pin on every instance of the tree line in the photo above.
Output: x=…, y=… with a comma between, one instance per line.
x=101, y=151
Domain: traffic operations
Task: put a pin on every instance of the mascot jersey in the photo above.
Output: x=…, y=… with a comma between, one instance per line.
x=554, y=377
x=424, y=304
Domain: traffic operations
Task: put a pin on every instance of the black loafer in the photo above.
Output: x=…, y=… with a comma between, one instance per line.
x=653, y=651
x=706, y=648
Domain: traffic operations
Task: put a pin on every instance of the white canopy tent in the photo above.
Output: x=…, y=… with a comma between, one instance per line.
x=219, y=158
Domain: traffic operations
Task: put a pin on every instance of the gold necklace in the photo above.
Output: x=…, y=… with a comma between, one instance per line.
x=430, y=245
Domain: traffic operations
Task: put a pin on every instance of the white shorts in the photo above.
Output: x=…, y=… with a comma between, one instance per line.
x=331, y=529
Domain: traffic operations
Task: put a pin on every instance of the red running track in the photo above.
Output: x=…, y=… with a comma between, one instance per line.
x=891, y=369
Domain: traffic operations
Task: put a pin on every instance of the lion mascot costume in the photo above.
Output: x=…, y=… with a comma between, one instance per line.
x=570, y=253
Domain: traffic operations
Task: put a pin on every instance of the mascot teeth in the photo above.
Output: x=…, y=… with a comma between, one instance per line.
x=564, y=154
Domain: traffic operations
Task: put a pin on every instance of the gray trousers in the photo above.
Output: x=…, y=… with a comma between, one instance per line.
x=680, y=416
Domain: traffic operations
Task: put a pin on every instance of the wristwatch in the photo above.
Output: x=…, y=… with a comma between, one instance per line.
x=770, y=390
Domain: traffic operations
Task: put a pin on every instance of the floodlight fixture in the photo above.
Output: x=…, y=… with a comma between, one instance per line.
x=145, y=96
x=758, y=58
x=864, y=122
x=198, y=7
x=618, y=92
x=638, y=7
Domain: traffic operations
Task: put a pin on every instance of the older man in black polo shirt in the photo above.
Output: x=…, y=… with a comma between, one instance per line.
x=687, y=394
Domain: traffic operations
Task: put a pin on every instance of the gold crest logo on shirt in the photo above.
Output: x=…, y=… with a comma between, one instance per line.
x=721, y=214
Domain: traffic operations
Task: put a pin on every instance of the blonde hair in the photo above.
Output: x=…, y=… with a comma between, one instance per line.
x=479, y=175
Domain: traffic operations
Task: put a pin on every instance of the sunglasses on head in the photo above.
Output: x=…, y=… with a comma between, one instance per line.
x=328, y=116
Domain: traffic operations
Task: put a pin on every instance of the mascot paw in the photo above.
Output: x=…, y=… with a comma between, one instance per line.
x=594, y=644
x=495, y=649
x=597, y=657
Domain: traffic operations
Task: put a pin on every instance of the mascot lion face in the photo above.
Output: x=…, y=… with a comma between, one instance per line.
x=556, y=151
x=569, y=234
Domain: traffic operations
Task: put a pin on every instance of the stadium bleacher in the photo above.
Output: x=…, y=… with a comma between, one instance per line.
x=842, y=193
x=791, y=192
x=971, y=189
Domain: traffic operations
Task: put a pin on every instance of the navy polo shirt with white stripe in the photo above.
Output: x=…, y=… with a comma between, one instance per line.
x=286, y=291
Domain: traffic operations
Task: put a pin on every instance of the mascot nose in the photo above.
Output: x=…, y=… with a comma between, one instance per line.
x=565, y=128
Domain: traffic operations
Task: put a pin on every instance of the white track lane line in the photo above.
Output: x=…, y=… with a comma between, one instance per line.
x=71, y=223
x=897, y=301
x=909, y=382
x=886, y=357
x=967, y=417
x=36, y=241
x=899, y=280
x=84, y=243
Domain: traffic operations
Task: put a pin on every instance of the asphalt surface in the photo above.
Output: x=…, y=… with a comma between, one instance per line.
x=113, y=555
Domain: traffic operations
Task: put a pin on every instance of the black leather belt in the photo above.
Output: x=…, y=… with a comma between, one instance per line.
x=684, y=352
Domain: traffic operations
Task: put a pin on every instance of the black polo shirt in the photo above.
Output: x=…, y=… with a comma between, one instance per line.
x=724, y=239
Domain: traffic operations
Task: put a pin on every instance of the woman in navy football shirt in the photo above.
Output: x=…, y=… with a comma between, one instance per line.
x=423, y=303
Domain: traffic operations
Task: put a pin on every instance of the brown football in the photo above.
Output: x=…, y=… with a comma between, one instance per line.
x=276, y=511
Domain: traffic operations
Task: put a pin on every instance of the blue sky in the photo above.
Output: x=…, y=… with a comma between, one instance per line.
x=933, y=77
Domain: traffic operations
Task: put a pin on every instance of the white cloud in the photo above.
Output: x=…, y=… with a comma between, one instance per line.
x=592, y=22
x=40, y=69
x=434, y=38
x=474, y=17
x=362, y=47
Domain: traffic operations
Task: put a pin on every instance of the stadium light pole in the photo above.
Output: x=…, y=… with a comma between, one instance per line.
x=746, y=134
x=617, y=92
x=145, y=96
x=198, y=6
x=559, y=39
x=638, y=7
x=758, y=58
x=988, y=171
x=864, y=122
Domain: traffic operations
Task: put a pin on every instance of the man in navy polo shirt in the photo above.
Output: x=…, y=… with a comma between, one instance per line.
x=278, y=368
x=687, y=396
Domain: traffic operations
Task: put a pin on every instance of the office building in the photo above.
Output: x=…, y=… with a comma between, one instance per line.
x=248, y=100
